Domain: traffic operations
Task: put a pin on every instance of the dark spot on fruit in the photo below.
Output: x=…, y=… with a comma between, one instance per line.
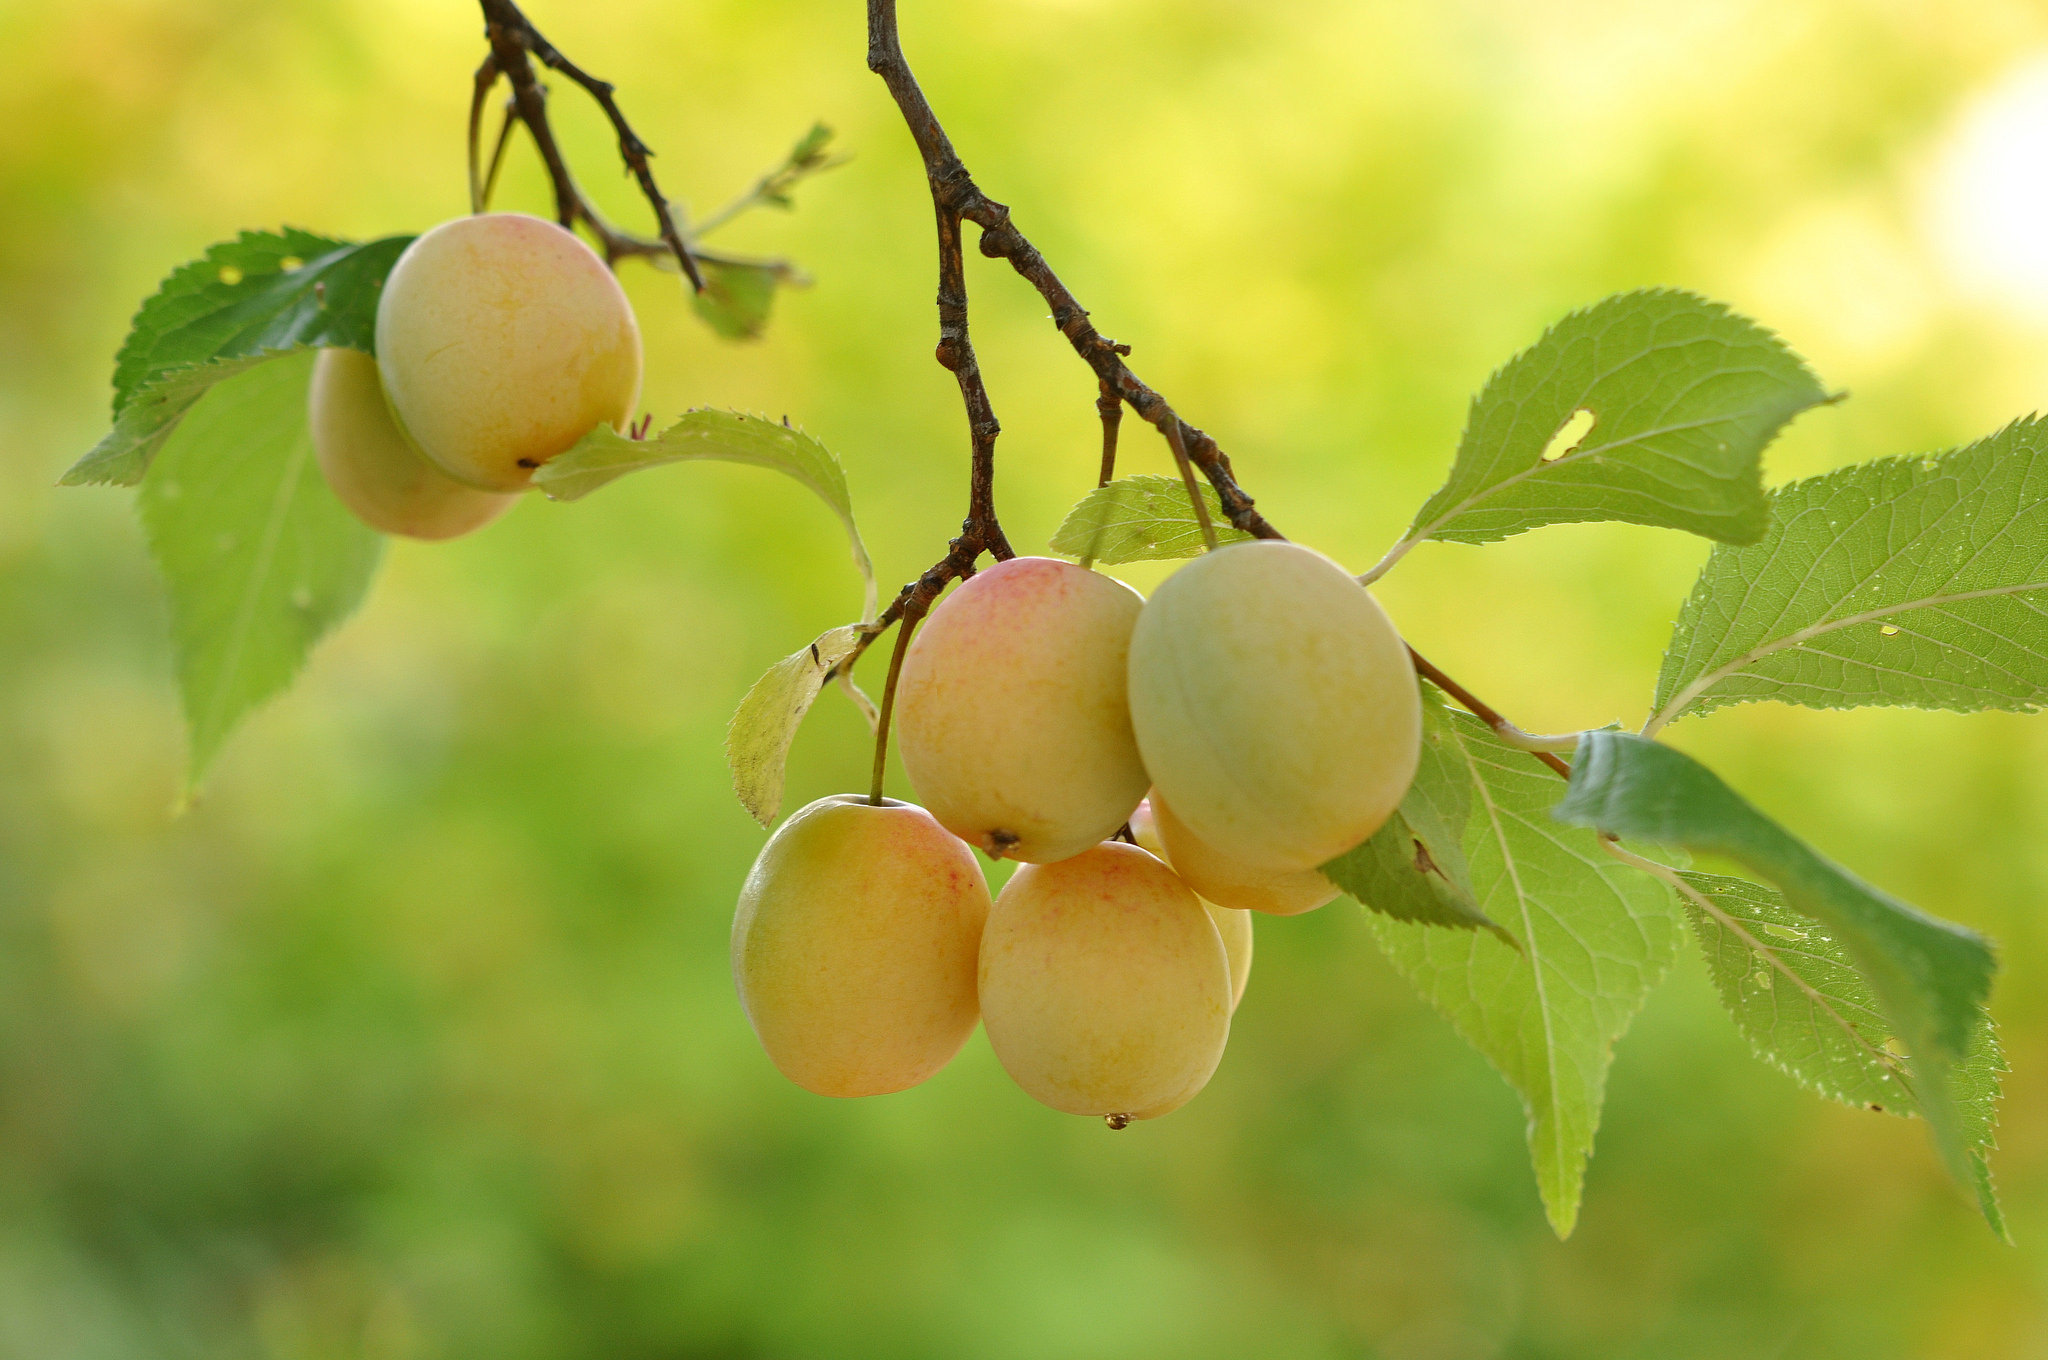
x=1117, y=1121
x=528, y=463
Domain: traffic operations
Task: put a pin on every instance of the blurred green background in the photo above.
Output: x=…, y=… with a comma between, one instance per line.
x=416, y=1039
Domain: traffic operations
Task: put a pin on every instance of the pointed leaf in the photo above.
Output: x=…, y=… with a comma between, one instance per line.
x=260, y=559
x=260, y=295
x=1796, y=996
x=1930, y=976
x=1913, y=581
x=604, y=455
x=1413, y=868
x=1140, y=519
x=1594, y=937
x=757, y=742
x=1684, y=396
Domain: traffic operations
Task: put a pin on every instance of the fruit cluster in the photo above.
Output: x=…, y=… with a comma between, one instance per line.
x=501, y=341
x=1261, y=696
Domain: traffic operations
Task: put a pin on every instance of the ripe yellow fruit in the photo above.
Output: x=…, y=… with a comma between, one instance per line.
x=1278, y=892
x=1275, y=705
x=1233, y=924
x=503, y=340
x=855, y=946
x=1104, y=986
x=1011, y=715
x=374, y=471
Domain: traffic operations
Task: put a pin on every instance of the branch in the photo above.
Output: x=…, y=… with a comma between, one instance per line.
x=513, y=40
x=956, y=197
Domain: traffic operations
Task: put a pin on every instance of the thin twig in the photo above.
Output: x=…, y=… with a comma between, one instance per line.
x=505, y=126
x=486, y=79
x=513, y=38
x=1485, y=712
x=954, y=189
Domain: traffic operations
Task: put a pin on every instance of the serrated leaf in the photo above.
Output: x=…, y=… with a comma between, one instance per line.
x=1594, y=937
x=604, y=455
x=1795, y=994
x=1140, y=519
x=1413, y=868
x=1913, y=581
x=1684, y=394
x=758, y=739
x=1930, y=976
x=260, y=559
x=258, y=296
x=736, y=297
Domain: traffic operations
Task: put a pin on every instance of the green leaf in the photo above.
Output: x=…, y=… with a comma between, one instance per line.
x=1140, y=519
x=1684, y=395
x=764, y=725
x=1930, y=976
x=604, y=455
x=1912, y=581
x=1796, y=996
x=246, y=300
x=260, y=559
x=1413, y=868
x=736, y=297
x=1594, y=937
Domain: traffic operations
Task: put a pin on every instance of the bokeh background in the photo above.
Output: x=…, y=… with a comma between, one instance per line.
x=416, y=1038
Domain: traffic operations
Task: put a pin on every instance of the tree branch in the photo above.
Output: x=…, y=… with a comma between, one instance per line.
x=514, y=40
x=956, y=198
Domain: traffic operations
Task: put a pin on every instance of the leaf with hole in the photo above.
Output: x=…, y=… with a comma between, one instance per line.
x=260, y=559
x=757, y=741
x=1145, y=518
x=1682, y=396
x=604, y=455
x=1930, y=976
x=1594, y=937
x=1796, y=995
x=247, y=300
x=1912, y=581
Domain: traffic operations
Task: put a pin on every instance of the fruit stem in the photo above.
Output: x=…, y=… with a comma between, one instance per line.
x=903, y=633
x=1187, y=477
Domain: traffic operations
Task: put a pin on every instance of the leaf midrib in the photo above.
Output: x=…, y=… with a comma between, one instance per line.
x=1676, y=708
x=259, y=575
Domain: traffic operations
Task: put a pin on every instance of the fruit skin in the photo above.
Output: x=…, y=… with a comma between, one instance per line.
x=855, y=945
x=1011, y=715
x=1227, y=883
x=1104, y=985
x=1274, y=704
x=1233, y=924
x=503, y=340
x=374, y=470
